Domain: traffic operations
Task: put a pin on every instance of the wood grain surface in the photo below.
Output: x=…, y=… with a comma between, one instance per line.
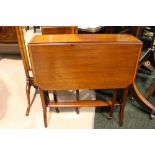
x=59, y=29
x=61, y=62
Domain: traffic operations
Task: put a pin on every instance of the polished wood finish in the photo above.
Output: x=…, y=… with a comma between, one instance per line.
x=83, y=38
x=8, y=40
x=79, y=64
x=141, y=99
x=81, y=103
x=61, y=62
x=8, y=34
x=59, y=29
x=48, y=30
x=44, y=103
x=148, y=57
x=24, y=54
x=124, y=98
x=23, y=51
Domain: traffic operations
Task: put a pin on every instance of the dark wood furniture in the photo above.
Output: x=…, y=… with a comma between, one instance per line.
x=8, y=34
x=62, y=62
x=8, y=39
x=134, y=30
x=146, y=61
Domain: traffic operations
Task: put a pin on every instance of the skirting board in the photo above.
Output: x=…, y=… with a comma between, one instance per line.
x=9, y=48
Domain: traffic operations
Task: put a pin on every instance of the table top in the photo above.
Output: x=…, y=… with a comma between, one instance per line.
x=84, y=38
x=96, y=61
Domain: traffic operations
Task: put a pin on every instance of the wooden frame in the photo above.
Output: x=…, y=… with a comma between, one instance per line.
x=27, y=68
x=46, y=30
x=143, y=99
x=61, y=62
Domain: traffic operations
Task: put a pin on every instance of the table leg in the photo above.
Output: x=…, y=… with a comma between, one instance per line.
x=43, y=101
x=115, y=93
x=28, y=87
x=77, y=98
x=55, y=100
x=124, y=98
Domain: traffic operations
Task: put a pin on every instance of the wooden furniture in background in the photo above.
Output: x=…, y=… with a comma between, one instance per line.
x=147, y=60
x=62, y=62
x=8, y=34
x=59, y=29
x=134, y=30
x=27, y=68
x=8, y=39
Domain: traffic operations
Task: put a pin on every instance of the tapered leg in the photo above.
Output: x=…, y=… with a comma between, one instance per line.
x=113, y=102
x=28, y=86
x=43, y=101
x=77, y=98
x=124, y=98
x=55, y=100
x=47, y=97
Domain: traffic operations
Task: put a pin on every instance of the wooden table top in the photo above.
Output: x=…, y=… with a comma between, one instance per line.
x=79, y=38
x=92, y=61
